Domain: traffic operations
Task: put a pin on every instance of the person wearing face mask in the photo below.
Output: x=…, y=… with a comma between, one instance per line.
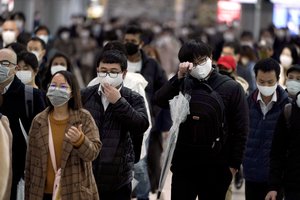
x=284, y=156
x=154, y=74
x=13, y=105
x=27, y=68
x=120, y=114
x=64, y=42
x=10, y=32
x=64, y=140
x=288, y=57
x=196, y=172
x=265, y=105
x=293, y=80
x=86, y=47
x=59, y=62
x=37, y=46
x=245, y=66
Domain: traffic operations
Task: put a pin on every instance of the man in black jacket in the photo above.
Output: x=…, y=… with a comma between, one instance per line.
x=120, y=115
x=199, y=171
x=13, y=105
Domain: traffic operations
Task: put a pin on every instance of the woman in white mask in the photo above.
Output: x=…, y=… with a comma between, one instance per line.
x=27, y=68
x=288, y=57
x=64, y=140
x=59, y=62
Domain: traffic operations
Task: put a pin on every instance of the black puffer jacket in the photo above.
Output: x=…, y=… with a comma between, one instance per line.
x=122, y=121
x=285, y=153
x=236, y=111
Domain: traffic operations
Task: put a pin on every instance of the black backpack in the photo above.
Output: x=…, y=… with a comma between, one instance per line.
x=206, y=124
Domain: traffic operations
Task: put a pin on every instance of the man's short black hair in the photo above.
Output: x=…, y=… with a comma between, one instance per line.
x=42, y=27
x=267, y=65
x=192, y=50
x=234, y=45
x=37, y=39
x=29, y=59
x=134, y=29
x=112, y=57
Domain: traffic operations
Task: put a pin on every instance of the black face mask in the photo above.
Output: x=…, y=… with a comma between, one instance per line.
x=131, y=48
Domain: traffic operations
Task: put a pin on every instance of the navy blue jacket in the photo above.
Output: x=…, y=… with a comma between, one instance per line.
x=256, y=160
x=122, y=121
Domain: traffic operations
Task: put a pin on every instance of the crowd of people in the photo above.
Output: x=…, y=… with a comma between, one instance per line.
x=84, y=113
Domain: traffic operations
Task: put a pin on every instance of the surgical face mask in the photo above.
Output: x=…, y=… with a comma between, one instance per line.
x=25, y=76
x=244, y=61
x=58, y=96
x=45, y=38
x=8, y=37
x=114, y=82
x=293, y=86
x=202, y=71
x=228, y=37
x=285, y=60
x=37, y=55
x=57, y=68
x=65, y=36
x=4, y=73
x=131, y=48
x=267, y=90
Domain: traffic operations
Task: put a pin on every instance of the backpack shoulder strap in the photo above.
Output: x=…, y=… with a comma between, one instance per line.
x=287, y=114
x=219, y=81
x=28, y=100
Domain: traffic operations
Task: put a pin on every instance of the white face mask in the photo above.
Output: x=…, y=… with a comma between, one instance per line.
x=293, y=86
x=286, y=61
x=45, y=38
x=266, y=90
x=25, y=76
x=202, y=71
x=114, y=82
x=8, y=37
x=244, y=61
x=57, y=68
x=37, y=55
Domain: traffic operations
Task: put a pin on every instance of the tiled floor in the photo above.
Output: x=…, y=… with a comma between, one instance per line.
x=166, y=195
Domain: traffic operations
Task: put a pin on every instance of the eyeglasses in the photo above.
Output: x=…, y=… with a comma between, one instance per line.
x=62, y=87
x=201, y=61
x=6, y=63
x=110, y=74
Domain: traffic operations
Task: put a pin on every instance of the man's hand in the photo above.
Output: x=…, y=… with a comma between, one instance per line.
x=111, y=93
x=271, y=195
x=184, y=68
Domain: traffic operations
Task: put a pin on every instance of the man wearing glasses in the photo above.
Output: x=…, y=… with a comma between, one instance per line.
x=12, y=104
x=203, y=165
x=120, y=114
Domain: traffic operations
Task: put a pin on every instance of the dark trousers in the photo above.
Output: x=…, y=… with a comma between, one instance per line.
x=124, y=193
x=258, y=191
x=206, y=183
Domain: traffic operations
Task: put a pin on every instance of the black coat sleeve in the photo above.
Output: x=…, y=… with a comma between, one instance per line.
x=278, y=153
x=237, y=117
x=133, y=115
x=167, y=92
